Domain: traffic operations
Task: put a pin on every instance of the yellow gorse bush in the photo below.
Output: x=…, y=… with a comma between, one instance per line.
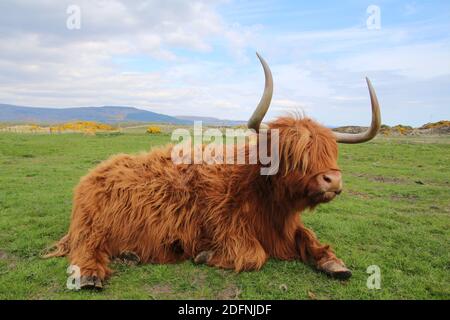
x=437, y=125
x=82, y=126
x=85, y=126
x=399, y=130
x=154, y=129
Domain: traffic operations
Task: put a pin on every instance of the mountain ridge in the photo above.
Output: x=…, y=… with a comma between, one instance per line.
x=105, y=114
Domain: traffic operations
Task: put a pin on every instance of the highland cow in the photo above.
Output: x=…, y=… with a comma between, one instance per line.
x=226, y=216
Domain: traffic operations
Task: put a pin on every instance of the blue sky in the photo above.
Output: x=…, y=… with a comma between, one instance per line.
x=198, y=57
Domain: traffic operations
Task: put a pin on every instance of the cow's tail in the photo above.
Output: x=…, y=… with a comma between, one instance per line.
x=59, y=249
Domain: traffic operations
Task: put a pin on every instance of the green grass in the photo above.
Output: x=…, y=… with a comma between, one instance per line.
x=394, y=213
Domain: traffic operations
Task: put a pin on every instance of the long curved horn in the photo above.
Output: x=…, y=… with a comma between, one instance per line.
x=264, y=104
x=374, y=127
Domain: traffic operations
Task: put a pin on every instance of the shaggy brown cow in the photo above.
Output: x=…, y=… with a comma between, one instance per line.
x=227, y=216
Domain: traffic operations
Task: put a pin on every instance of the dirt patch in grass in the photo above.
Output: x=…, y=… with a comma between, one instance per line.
x=11, y=261
x=387, y=180
x=3, y=255
x=403, y=197
x=440, y=209
x=46, y=291
x=199, y=280
x=160, y=291
x=359, y=194
x=231, y=292
x=382, y=179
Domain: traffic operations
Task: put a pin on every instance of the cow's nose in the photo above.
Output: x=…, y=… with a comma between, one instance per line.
x=331, y=181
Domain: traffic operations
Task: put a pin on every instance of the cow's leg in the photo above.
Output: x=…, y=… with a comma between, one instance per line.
x=249, y=261
x=93, y=264
x=240, y=256
x=321, y=256
x=203, y=257
x=129, y=258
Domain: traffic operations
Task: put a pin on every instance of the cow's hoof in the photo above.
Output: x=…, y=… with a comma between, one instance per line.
x=91, y=282
x=129, y=258
x=203, y=257
x=336, y=270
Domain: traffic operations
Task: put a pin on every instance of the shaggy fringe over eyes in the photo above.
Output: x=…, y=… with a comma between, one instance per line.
x=305, y=146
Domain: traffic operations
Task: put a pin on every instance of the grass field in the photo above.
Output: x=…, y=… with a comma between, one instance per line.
x=394, y=213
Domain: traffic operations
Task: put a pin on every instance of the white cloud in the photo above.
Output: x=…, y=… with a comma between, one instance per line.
x=51, y=66
x=416, y=61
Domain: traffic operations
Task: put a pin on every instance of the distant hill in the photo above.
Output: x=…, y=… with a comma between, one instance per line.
x=213, y=121
x=11, y=113
x=436, y=128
